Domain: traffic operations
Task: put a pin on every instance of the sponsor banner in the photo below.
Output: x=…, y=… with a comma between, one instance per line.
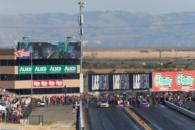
x=70, y=69
x=48, y=83
x=120, y=81
x=100, y=82
x=141, y=81
x=39, y=70
x=24, y=69
x=173, y=81
x=52, y=69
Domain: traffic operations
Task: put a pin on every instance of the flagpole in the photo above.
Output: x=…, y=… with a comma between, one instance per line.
x=31, y=90
x=30, y=49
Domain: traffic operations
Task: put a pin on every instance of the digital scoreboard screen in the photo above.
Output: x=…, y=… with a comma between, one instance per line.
x=120, y=82
x=100, y=82
x=53, y=50
x=141, y=81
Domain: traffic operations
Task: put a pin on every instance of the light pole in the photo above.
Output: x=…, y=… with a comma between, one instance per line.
x=81, y=21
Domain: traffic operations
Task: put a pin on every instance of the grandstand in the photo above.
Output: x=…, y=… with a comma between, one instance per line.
x=49, y=68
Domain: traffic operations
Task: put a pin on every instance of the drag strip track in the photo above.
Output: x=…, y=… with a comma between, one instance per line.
x=110, y=119
x=192, y=106
x=163, y=118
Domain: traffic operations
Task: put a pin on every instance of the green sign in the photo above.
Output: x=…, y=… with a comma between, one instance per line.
x=70, y=69
x=55, y=69
x=51, y=69
x=40, y=69
x=24, y=69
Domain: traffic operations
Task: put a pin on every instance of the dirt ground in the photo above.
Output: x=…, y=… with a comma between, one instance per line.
x=56, y=114
x=4, y=126
x=139, y=54
x=55, y=118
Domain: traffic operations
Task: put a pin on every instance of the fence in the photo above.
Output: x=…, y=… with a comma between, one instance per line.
x=36, y=120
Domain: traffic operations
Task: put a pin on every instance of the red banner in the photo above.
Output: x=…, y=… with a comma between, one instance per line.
x=173, y=81
x=48, y=83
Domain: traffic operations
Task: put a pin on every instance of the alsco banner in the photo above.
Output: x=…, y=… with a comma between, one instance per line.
x=48, y=83
x=51, y=69
x=173, y=81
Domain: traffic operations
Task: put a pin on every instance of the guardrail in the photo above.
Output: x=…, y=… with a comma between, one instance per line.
x=78, y=119
x=184, y=111
x=82, y=123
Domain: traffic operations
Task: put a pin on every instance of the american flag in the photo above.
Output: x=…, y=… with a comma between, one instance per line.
x=22, y=53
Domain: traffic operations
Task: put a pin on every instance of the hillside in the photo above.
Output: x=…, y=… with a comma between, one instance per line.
x=111, y=29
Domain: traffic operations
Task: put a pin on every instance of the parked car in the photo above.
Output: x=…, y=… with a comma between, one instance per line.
x=41, y=104
x=2, y=107
x=122, y=103
x=144, y=103
x=103, y=103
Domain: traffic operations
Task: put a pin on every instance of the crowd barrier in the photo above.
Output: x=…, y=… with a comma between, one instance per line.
x=184, y=111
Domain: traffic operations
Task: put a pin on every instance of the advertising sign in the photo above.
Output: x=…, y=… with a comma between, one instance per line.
x=100, y=82
x=173, y=81
x=141, y=81
x=24, y=69
x=51, y=69
x=51, y=50
x=121, y=81
x=70, y=69
x=48, y=83
x=38, y=70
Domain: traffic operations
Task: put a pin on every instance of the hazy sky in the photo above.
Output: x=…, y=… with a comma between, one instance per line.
x=71, y=6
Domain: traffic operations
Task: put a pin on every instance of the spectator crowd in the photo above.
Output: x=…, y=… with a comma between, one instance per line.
x=58, y=100
x=14, y=108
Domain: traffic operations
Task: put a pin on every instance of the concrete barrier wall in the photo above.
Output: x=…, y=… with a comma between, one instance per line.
x=181, y=110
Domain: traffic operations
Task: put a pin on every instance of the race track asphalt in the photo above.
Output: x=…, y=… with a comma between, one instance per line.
x=162, y=118
x=112, y=118
x=191, y=106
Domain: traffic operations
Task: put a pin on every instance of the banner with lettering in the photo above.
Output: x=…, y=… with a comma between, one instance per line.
x=51, y=69
x=48, y=83
x=173, y=81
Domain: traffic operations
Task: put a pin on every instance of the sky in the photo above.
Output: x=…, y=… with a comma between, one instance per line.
x=71, y=6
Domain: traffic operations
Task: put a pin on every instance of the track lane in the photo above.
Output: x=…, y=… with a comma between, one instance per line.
x=163, y=118
x=112, y=118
